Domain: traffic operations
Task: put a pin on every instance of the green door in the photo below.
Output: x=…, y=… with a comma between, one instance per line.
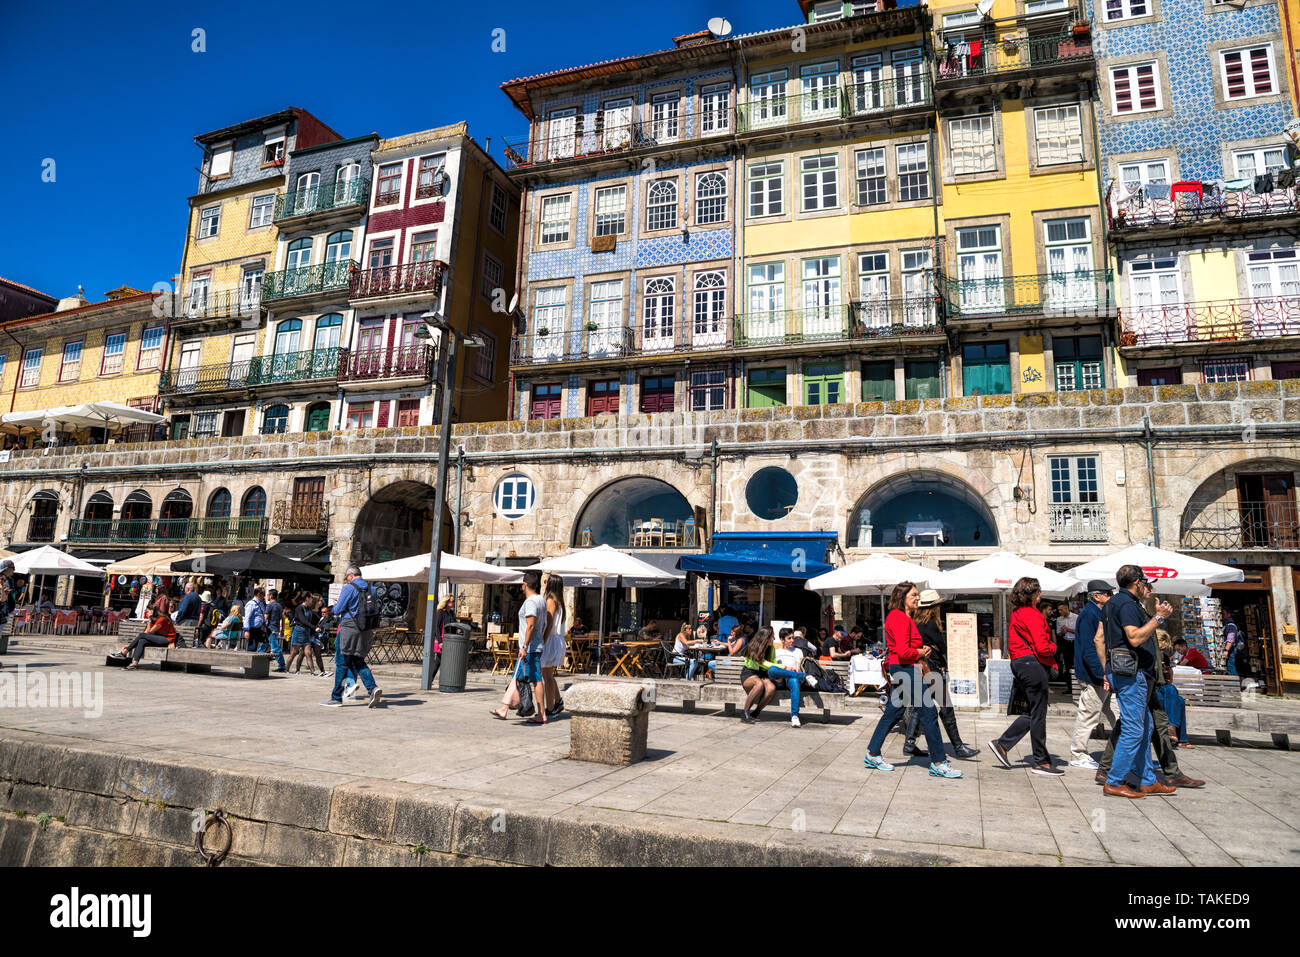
x=318, y=418
x=986, y=369
x=823, y=384
x=878, y=381
x=766, y=388
x=922, y=379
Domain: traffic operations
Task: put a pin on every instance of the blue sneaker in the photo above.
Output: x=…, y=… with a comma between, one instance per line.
x=942, y=770
x=877, y=763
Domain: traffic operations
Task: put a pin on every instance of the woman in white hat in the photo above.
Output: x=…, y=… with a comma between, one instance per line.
x=929, y=622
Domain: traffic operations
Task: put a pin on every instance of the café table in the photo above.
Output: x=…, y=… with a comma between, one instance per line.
x=717, y=649
x=631, y=657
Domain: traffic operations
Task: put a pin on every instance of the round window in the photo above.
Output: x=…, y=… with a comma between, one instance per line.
x=771, y=493
x=514, y=496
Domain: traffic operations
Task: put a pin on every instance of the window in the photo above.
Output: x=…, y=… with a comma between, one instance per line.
x=878, y=381
x=219, y=164
x=389, y=184
x=821, y=182
x=250, y=290
x=200, y=286
x=555, y=218
x=485, y=357
x=829, y=10
x=1169, y=375
x=514, y=496
x=708, y=390
x=361, y=415
x=871, y=177
x=821, y=94
x=1252, y=163
x=602, y=397
x=979, y=269
x=918, y=288
x=338, y=246
x=766, y=316
x=114, y=350
x=617, y=120
x=767, y=106
x=329, y=329
x=493, y=274
x=986, y=369
x=921, y=379
x=430, y=181
x=910, y=74
x=381, y=253
x=150, y=348
x=273, y=147
x=873, y=289
x=1144, y=173
x=1059, y=135
x=498, y=210
x=606, y=313
x=275, y=420
x=1068, y=247
x=31, y=374
x=710, y=198
x=913, y=172
x=1134, y=89
x=767, y=189
x=1248, y=72
x=1154, y=284
x=710, y=308
x=1074, y=479
x=424, y=247
x=1286, y=370
x=562, y=135
x=823, y=383
x=1226, y=370
x=546, y=402
x=1045, y=6
x=299, y=254
x=663, y=117
x=205, y=425
x=1078, y=363
x=657, y=393
x=661, y=205
x=658, y=313
x=611, y=210
x=262, y=208
x=821, y=297
x=868, y=92
x=288, y=335
x=766, y=388
x=970, y=145
x=1274, y=276
x=548, y=311
x=70, y=368
x=209, y=222
x=1126, y=9
x=219, y=504
x=254, y=504
x=408, y=413
x=715, y=109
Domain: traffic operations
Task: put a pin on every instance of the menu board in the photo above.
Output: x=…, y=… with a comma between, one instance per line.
x=963, y=660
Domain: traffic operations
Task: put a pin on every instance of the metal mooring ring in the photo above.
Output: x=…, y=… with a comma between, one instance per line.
x=213, y=858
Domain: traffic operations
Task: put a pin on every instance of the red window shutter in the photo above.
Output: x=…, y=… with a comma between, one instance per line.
x=1146, y=76
x=1123, y=93
x=1259, y=70
x=408, y=413
x=1236, y=80
x=383, y=413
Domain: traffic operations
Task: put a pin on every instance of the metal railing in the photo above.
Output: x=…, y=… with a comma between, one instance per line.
x=1084, y=292
x=380, y=364
x=210, y=378
x=549, y=345
x=1083, y=522
x=421, y=277
x=1226, y=526
x=40, y=528
x=294, y=367
x=834, y=103
x=171, y=531
x=307, y=280
x=319, y=199
x=218, y=304
x=1225, y=320
x=616, y=138
x=863, y=319
x=1142, y=210
x=1014, y=51
x=300, y=518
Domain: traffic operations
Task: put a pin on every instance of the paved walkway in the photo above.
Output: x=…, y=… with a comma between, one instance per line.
x=703, y=768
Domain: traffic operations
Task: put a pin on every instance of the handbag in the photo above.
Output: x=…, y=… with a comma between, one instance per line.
x=1123, y=662
x=527, y=707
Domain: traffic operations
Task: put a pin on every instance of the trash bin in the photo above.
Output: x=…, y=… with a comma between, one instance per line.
x=455, y=657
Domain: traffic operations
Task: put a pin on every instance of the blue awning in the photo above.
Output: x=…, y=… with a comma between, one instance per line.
x=795, y=555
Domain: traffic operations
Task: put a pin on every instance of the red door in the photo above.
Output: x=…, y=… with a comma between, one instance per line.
x=657, y=394
x=602, y=397
x=546, y=402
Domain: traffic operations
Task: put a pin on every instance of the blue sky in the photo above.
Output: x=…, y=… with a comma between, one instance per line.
x=114, y=95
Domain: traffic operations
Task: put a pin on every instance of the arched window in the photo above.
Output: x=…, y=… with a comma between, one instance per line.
x=288, y=336
x=347, y=184
x=710, y=307
x=254, y=504
x=710, y=198
x=45, y=515
x=137, y=510
x=219, y=504
x=305, y=196
x=661, y=205
x=299, y=254
x=328, y=329
x=308, y=181
x=318, y=417
x=275, y=420
x=99, y=507
x=174, y=515
x=338, y=247
x=514, y=496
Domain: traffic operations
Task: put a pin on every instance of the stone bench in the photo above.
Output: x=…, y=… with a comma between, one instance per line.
x=727, y=691
x=202, y=660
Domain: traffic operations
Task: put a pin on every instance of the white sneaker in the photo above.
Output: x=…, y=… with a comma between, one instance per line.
x=350, y=688
x=794, y=721
x=1088, y=763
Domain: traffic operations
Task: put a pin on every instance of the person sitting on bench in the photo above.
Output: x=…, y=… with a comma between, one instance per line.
x=160, y=633
x=761, y=672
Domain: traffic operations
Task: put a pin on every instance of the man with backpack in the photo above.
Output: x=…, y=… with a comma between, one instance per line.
x=357, y=610
x=274, y=624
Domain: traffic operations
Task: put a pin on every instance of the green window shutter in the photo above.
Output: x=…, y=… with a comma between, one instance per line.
x=823, y=384
x=922, y=380
x=766, y=388
x=877, y=381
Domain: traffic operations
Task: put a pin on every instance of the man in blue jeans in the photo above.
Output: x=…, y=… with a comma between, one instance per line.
x=1129, y=626
x=350, y=643
x=272, y=618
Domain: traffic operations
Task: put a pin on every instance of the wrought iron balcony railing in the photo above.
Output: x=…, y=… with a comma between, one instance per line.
x=864, y=319
x=1084, y=292
x=1225, y=320
x=1081, y=522
x=219, y=304
x=380, y=364
x=307, y=280
x=1228, y=526
x=834, y=102
x=421, y=277
x=1187, y=205
x=294, y=367
x=221, y=377
x=170, y=531
x=1012, y=52
x=300, y=518
x=568, y=144
x=572, y=345
x=320, y=199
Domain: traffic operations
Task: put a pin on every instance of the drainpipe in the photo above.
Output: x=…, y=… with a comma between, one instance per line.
x=13, y=398
x=1151, y=479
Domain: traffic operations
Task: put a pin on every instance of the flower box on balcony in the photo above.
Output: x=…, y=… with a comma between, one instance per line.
x=1082, y=30
x=543, y=331
x=592, y=326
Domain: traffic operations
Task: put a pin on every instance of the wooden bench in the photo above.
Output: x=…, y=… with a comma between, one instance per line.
x=201, y=661
x=1210, y=691
x=727, y=691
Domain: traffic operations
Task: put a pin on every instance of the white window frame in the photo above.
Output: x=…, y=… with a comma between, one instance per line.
x=1248, y=75
x=819, y=172
x=143, y=361
x=661, y=204
x=974, y=139
x=709, y=309
x=273, y=138
x=980, y=268
x=665, y=117
x=550, y=312
x=70, y=361
x=1081, y=477
x=264, y=205
x=1142, y=170
x=209, y=221
x=1215, y=370
x=1068, y=139
x=659, y=313
x=710, y=206
x=906, y=165
x=770, y=184
x=561, y=143
x=768, y=101
x=873, y=289
x=1259, y=159
x=606, y=210
x=1125, y=8
x=715, y=109
x=1135, y=99
x=250, y=289
x=819, y=86
x=113, y=360
x=555, y=228
x=30, y=372
x=880, y=175
x=514, y=496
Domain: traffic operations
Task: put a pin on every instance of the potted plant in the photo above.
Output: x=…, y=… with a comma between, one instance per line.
x=592, y=327
x=1082, y=30
x=543, y=331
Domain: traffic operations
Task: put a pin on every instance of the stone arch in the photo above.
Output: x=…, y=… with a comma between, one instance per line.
x=396, y=521
x=44, y=516
x=635, y=511
x=880, y=515
x=1221, y=514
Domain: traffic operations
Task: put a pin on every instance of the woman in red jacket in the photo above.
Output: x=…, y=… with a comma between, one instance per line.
x=905, y=655
x=1033, y=653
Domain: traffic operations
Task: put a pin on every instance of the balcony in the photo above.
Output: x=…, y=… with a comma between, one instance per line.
x=1078, y=523
x=613, y=139
x=223, y=304
x=301, y=519
x=545, y=345
x=836, y=103
x=308, y=281
x=1081, y=293
x=1226, y=320
x=180, y=532
x=341, y=197
x=1016, y=52
x=409, y=362
x=1231, y=526
x=864, y=319
x=294, y=367
x=424, y=278
x=40, y=528
x=222, y=377
x=1188, y=208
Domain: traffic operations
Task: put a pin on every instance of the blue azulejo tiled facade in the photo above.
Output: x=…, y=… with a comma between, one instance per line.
x=1193, y=120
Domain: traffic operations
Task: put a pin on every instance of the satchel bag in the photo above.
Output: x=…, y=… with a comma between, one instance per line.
x=1123, y=662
